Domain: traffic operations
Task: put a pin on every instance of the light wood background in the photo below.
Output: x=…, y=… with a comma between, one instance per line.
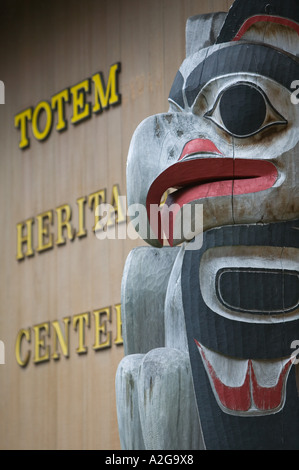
x=46, y=47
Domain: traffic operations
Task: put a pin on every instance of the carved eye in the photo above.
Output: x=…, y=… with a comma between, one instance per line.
x=243, y=110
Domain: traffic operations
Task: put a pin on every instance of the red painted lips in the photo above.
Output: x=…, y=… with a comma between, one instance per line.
x=199, y=145
x=197, y=176
x=250, y=397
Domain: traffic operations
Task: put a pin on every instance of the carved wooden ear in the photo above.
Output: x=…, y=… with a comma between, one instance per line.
x=202, y=31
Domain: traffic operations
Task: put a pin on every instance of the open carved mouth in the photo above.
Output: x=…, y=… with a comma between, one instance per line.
x=254, y=387
x=203, y=172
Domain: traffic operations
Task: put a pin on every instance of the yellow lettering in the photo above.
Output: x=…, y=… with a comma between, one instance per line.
x=62, y=340
x=106, y=96
x=42, y=108
x=81, y=109
x=80, y=321
x=118, y=214
x=22, y=239
x=94, y=200
x=21, y=120
x=119, y=338
x=101, y=328
x=82, y=232
x=21, y=334
x=59, y=331
x=41, y=117
x=58, y=102
x=64, y=215
x=40, y=344
x=43, y=231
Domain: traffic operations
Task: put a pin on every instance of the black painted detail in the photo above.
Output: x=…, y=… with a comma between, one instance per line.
x=239, y=289
x=243, y=110
x=242, y=10
x=250, y=339
x=234, y=339
x=176, y=92
x=237, y=58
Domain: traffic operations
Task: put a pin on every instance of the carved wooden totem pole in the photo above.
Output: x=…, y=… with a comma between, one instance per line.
x=210, y=322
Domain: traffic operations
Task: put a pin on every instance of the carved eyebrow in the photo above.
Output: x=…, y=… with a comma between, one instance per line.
x=282, y=12
x=176, y=92
x=253, y=58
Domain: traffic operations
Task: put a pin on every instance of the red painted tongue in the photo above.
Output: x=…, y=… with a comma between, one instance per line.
x=179, y=198
x=202, y=178
x=192, y=193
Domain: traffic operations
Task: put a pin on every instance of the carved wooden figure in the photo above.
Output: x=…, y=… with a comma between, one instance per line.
x=209, y=323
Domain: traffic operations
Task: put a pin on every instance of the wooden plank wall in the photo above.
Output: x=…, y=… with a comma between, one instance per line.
x=46, y=47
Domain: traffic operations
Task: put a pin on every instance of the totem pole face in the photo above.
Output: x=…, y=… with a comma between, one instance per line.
x=230, y=142
x=230, y=139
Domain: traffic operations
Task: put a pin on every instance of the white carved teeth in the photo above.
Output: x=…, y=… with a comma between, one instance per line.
x=246, y=387
x=230, y=371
